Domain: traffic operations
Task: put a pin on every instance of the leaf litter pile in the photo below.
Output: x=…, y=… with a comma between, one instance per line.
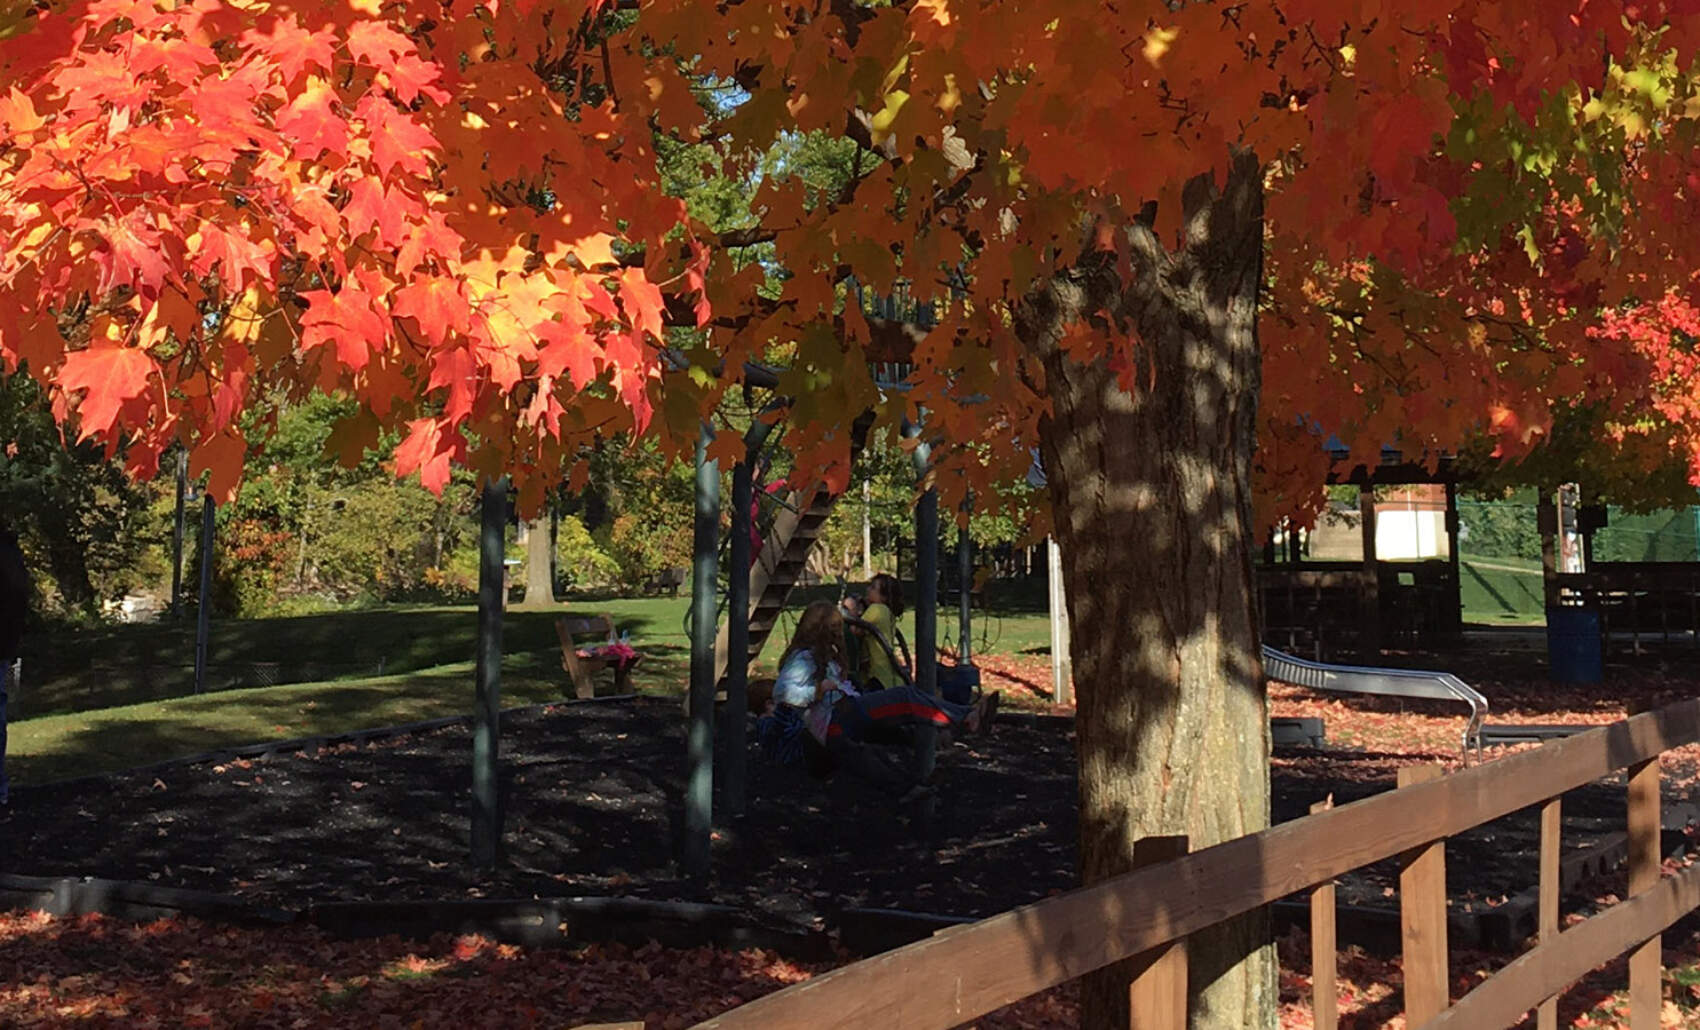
x=592, y=796
x=97, y=972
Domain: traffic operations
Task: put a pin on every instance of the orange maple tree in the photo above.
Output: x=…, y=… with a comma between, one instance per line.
x=205, y=202
x=1156, y=233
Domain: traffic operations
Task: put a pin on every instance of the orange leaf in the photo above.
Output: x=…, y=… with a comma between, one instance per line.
x=111, y=374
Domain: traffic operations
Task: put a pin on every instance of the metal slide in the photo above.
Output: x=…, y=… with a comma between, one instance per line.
x=1358, y=679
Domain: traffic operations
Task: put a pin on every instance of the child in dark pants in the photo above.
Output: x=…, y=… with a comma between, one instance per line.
x=827, y=721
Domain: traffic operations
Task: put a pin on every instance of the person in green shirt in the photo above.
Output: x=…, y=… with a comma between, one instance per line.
x=884, y=604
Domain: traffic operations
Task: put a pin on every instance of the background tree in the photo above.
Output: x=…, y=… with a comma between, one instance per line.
x=85, y=524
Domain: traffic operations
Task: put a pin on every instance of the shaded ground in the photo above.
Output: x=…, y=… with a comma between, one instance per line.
x=593, y=803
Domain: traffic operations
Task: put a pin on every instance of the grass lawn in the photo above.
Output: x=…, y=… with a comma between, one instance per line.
x=110, y=666
x=56, y=747
x=119, y=696
x=1502, y=591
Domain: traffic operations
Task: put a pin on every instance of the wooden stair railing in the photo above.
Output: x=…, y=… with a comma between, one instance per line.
x=779, y=565
x=958, y=976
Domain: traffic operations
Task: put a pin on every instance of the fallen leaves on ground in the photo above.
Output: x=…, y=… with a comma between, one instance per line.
x=95, y=971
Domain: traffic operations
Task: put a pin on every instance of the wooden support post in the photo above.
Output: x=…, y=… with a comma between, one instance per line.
x=1370, y=628
x=1325, y=995
x=1157, y=995
x=1062, y=663
x=1645, y=962
x=1546, y=1016
x=1422, y=917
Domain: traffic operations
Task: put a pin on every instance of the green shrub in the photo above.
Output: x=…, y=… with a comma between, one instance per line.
x=578, y=559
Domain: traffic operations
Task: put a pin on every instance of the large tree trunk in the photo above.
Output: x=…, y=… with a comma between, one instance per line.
x=539, y=584
x=1152, y=496
x=67, y=560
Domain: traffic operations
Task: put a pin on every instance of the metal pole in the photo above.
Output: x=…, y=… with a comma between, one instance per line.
x=203, y=607
x=732, y=740
x=699, y=789
x=738, y=637
x=1062, y=662
x=965, y=580
x=177, y=535
x=1454, y=562
x=487, y=705
x=868, y=531
x=926, y=602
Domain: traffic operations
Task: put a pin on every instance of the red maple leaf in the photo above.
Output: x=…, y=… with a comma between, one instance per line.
x=396, y=138
x=436, y=303
x=111, y=374
x=347, y=318
x=371, y=204
x=134, y=256
x=232, y=253
x=428, y=450
x=641, y=300
x=312, y=123
x=291, y=47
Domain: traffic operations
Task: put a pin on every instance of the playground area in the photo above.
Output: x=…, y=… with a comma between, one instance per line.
x=592, y=792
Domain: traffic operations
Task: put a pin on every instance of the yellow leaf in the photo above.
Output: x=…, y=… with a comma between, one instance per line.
x=882, y=122
x=896, y=73
x=951, y=98
x=1157, y=43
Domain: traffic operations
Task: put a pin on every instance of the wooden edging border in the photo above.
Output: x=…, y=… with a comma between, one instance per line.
x=535, y=922
x=267, y=749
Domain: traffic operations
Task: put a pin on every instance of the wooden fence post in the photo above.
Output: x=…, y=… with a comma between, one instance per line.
x=1422, y=917
x=1546, y=1016
x=1325, y=995
x=1645, y=962
x=1157, y=995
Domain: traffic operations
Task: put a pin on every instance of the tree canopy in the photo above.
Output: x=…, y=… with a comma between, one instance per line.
x=454, y=213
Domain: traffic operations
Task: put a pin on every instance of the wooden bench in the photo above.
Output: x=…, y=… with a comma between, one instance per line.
x=669, y=580
x=581, y=669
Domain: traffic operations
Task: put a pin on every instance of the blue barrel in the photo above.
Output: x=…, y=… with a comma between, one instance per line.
x=957, y=683
x=1573, y=645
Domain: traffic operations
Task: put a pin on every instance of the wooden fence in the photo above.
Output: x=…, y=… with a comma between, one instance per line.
x=966, y=972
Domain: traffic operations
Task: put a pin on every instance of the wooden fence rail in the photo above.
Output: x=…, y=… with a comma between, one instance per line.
x=942, y=982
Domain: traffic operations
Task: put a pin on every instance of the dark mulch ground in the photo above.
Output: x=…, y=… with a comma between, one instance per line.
x=593, y=808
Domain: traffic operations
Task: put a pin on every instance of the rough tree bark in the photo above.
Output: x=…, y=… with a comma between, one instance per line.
x=1153, y=496
x=539, y=583
x=67, y=559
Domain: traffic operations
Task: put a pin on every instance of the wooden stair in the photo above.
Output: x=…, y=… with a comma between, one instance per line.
x=780, y=564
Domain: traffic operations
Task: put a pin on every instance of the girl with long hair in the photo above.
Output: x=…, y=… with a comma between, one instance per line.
x=823, y=719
